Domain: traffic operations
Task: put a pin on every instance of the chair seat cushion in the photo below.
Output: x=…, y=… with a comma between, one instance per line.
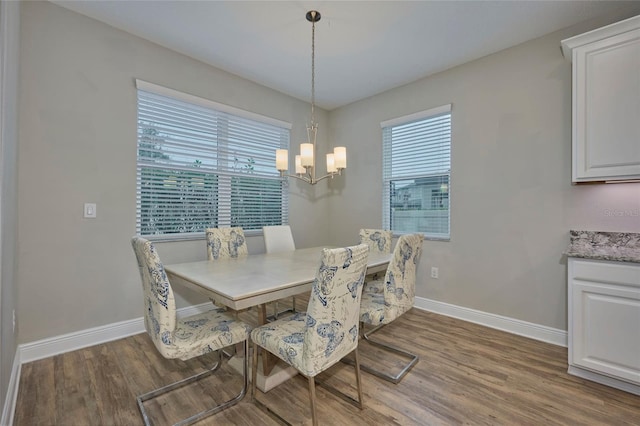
x=373, y=310
x=206, y=332
x=284, y=338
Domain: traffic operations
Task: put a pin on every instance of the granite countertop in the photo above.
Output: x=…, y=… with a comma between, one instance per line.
x=617, y=246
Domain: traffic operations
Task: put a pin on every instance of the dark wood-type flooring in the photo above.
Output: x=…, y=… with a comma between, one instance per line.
x=467, y=374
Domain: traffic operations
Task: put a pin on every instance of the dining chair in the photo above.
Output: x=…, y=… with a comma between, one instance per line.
x=184, y=338
x=379, y=241
x=279, y=238
x=226, y=243
x=398, y=296
x=314, y=340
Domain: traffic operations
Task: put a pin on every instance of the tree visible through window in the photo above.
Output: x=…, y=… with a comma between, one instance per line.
x=416, y=173
x=200, y=167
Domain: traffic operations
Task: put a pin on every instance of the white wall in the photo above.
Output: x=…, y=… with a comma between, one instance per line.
x=511, y=195
x=9, y=55
x=78, y=144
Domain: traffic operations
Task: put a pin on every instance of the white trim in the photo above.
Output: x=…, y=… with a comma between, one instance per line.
x=93, y=336
x=604, y=380
x=416, y=116
x=186, y=97
x=12, y=392
x=569, y=44
x=510, y=325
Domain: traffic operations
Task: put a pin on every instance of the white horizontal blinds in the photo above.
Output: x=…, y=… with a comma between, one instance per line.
x=416, y=173
x=199, y=167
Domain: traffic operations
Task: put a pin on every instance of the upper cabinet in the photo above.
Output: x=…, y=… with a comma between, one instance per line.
x=606, y=102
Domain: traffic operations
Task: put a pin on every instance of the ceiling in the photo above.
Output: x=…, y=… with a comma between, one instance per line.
x=362, y=47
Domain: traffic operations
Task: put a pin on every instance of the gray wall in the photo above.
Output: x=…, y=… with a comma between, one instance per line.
x=9, y=33
x=511, y=195
x=78, y=144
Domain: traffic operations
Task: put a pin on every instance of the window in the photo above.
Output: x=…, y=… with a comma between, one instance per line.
x=416, y=169
x=201, y=164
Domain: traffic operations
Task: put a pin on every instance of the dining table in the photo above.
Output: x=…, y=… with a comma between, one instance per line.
x=257, y=279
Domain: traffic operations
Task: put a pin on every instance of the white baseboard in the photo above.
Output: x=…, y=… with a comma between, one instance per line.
x=93, y=336
x=511, y=325
x=604, y=380
x=12, y=392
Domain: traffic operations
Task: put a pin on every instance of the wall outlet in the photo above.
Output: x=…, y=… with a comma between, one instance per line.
x=90, y=210
x=434, y=272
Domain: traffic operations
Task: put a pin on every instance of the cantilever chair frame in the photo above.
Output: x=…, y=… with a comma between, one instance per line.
x=413, y=358
x=184, y=382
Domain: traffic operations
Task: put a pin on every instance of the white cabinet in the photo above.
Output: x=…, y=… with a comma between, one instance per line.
x=606, y=102
x=604, y=322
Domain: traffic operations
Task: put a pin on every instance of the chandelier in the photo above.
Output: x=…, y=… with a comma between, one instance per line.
x=306, y=160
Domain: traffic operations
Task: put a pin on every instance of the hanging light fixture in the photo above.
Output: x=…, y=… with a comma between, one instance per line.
x=306, y=162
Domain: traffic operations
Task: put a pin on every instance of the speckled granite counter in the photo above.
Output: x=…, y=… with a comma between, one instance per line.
x=617, y=246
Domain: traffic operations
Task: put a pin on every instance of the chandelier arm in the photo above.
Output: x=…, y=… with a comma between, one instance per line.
x=328, y=175
x=312, y=180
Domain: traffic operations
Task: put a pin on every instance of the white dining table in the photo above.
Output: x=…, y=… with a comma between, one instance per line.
x=256, y=279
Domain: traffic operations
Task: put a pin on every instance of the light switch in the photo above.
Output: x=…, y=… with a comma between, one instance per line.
x=89, y=210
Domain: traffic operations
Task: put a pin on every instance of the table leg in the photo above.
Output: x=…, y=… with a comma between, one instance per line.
x=268, y=360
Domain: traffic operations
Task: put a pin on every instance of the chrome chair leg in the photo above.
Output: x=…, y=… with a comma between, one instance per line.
x=168, y=388
x=413, y=358
x=312, y=399
x=312, y=391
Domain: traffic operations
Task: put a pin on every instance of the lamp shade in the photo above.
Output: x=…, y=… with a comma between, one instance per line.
x=299, y=169
x=282, y=159
x=306, y=154
x=331, y=164
x=340, y=154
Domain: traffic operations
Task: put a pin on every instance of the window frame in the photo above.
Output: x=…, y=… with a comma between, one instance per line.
x=387, y=178
x=219, y=175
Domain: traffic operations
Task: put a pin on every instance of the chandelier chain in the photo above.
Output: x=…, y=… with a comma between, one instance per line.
x=313, y=69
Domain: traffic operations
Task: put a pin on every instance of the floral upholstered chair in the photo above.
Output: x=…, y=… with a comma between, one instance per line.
x=182, y=338
x=314, y=341
x=378, y=240
x=397, y=296
x=226, y=243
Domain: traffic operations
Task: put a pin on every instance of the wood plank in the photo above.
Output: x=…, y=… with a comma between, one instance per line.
x=467, y=374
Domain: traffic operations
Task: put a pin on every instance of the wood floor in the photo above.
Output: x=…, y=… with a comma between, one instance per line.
x=467, y=374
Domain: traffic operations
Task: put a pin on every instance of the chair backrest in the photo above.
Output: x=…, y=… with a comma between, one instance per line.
x=378, y=240
x=278, y=238
x=159, y=302
x=226, y=243
x=333, y=312
x=400, y=278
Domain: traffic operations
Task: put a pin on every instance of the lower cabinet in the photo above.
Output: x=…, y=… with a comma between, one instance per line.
x=604, y=322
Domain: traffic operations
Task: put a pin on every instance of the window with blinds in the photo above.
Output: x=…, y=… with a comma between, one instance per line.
x=416, y=173
x=201, y=164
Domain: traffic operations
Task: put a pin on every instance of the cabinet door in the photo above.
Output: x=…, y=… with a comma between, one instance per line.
x=605, y=323
x=606, y=109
